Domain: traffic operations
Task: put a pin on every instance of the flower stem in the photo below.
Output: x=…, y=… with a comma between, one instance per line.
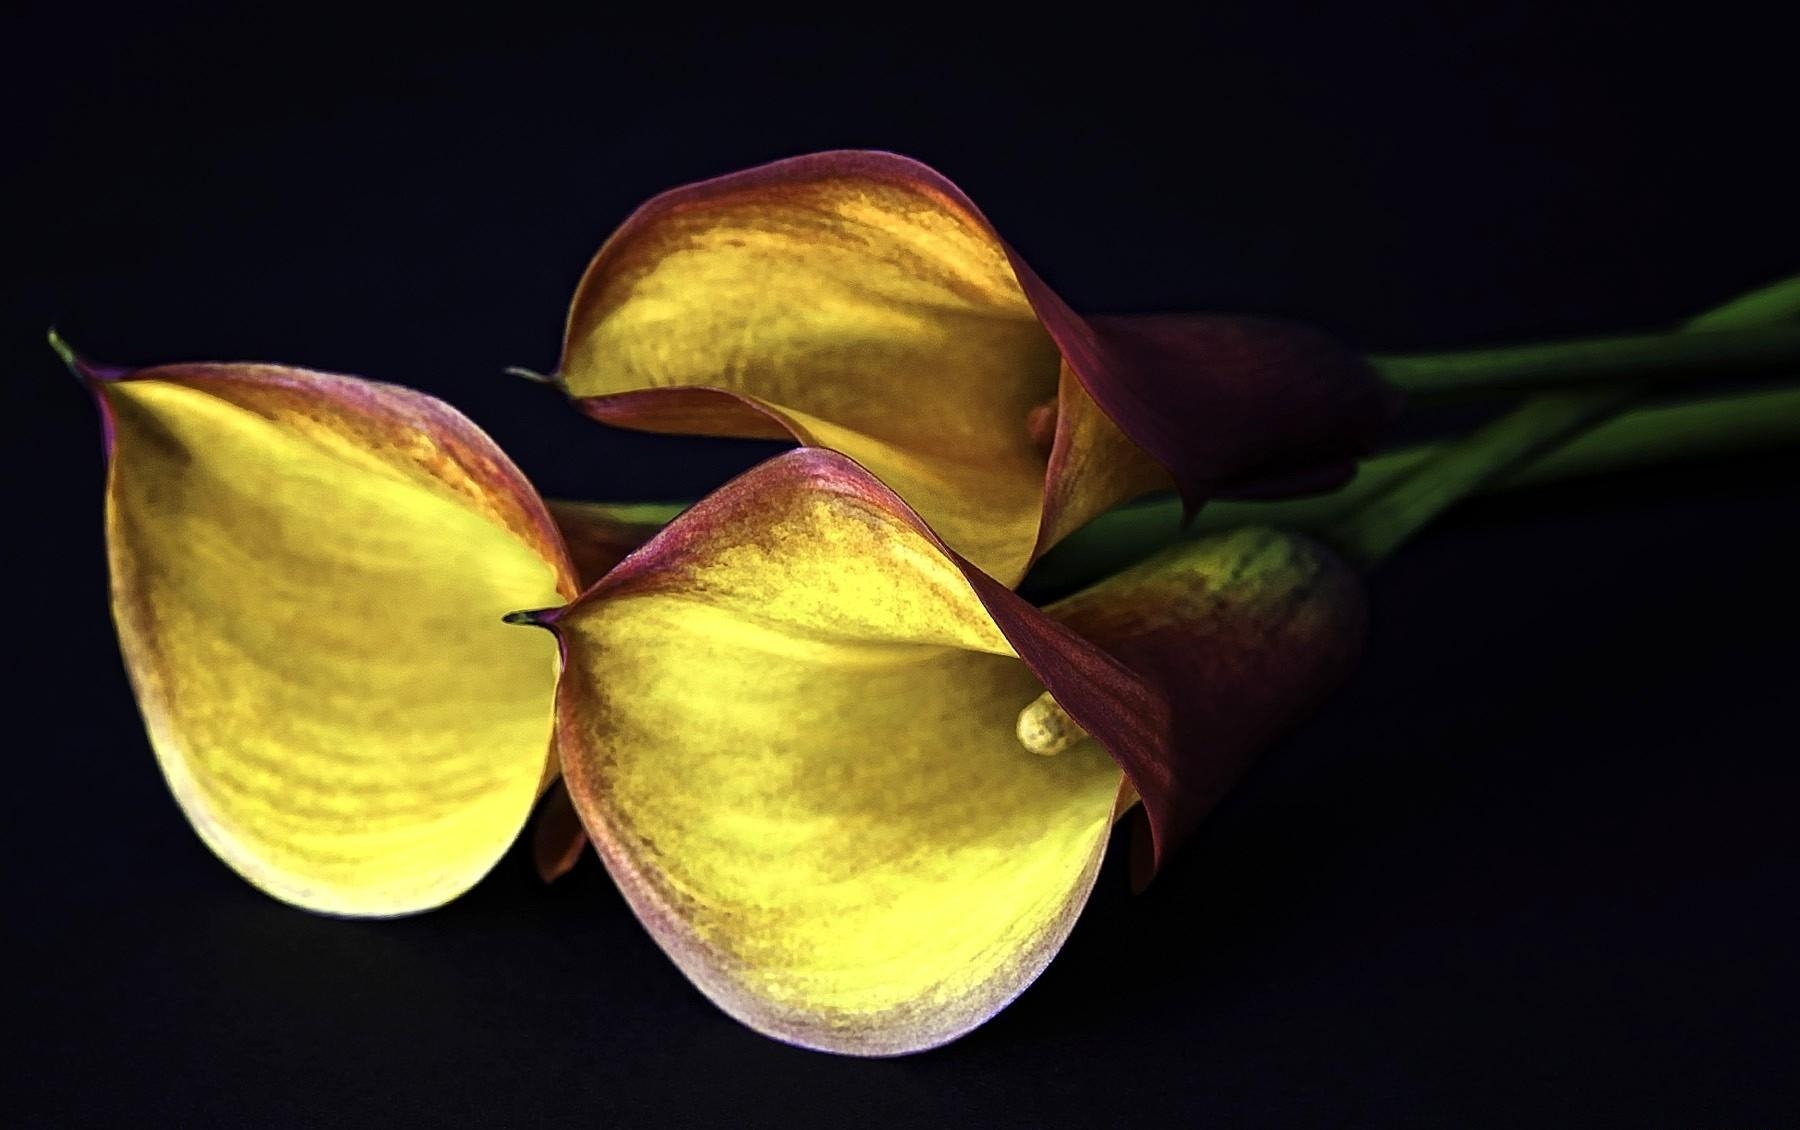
x=1372, y=532
x=1375, y=530
x=635, y=513
x=1640, y=358
x=1667, y=433
x=1743, y=422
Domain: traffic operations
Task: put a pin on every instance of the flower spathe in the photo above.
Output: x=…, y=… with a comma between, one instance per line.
x=790, y=725
x=308, y=575
x=859, y=301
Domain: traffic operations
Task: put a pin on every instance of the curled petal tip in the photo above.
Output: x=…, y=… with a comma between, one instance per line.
x=79, y=367
x=533, y=376
x=533, y=617
x=63, y=350
x=92, y=378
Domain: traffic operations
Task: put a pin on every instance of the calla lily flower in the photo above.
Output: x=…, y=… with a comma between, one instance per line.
x=859, y=790
x=859, y=301
x=308, y=577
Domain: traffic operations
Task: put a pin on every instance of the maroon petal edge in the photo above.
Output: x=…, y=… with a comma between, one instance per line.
x=1246, y=633
x=1233, y=406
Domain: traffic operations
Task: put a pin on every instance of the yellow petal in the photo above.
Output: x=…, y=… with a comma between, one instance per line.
x=861, y=306
x=308, y=575
x=789, y=725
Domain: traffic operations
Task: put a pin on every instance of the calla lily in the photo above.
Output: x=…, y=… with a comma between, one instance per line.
x=859, y=301
x=308, y=577
x=846, y=779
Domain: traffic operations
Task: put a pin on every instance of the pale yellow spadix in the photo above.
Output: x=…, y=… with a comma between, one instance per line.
x=1045, y=728
x=308, y=577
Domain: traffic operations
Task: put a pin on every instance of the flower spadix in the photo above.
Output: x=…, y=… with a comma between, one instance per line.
x=308, y=577
x=859, y=301
x=792, y=725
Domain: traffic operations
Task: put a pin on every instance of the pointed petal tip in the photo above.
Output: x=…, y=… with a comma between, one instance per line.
x=73, y=361
x=533, y=617
x=87, y=372
x=63, y=350
x=552, y=379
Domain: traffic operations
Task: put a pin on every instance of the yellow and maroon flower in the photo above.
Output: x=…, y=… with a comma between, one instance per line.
x=846, y=778
x=308, y=577
x=859, y=301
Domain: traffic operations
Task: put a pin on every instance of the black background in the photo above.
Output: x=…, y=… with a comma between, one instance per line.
x=1534, y=867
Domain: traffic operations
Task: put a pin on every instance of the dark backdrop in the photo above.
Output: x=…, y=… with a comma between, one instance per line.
x=1533, y=867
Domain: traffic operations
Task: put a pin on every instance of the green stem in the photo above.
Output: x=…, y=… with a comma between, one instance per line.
x=1369, y=534
x=636, y=513
x=1373, y=531
x=1744, y=422
x=1717, y=353
x=1777, y=302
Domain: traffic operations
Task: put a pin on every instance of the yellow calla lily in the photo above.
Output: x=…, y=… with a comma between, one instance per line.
x=308, y=578
x=846, y=779
x=860, y=302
